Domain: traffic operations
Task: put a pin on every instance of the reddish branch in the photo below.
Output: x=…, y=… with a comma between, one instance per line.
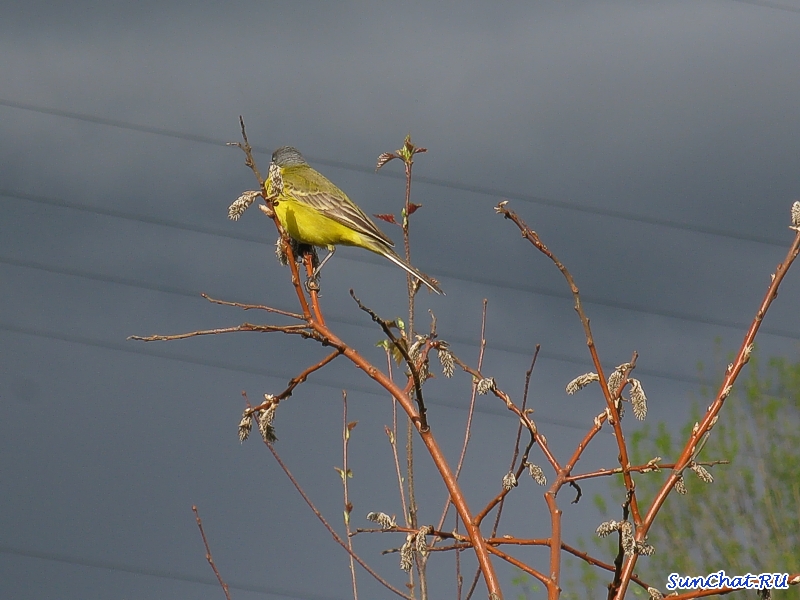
x=313, y=326
x=701, y=429
x=435, y=452
x=523, y=416
x=463, y=543
x=624, y=462
x=647, y=468
x=313, y=289
x=278, y=311
x=327, y=337
x=301, y=330
x=293, y=383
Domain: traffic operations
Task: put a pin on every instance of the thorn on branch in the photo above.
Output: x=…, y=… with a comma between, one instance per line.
x=578, y=490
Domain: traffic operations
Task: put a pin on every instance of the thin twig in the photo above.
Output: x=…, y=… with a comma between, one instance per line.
x=293, y=383
x=302, y=377
x=330, y=529
x=647, y=468
x=467, y=436
x=700, y=430
x=243, y=306
x=434, y=450
x=209, y=558
x=248, y=152
x=498, y=499
x=502, y=497
x=348, y=507
x=301, y=330
x=412, y=286
x=327, y=337
x=392, y=435
x=313, y=290
x=386, y=326
x=520, y=565
x=470, y=411
x=523, y=417
x=624, y=462
x=269, y=210
x=515, y=455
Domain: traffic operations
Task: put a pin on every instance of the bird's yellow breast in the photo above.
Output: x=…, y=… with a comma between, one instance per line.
x=309, y=226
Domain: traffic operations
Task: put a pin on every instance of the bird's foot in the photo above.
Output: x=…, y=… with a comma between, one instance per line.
x=312, y=284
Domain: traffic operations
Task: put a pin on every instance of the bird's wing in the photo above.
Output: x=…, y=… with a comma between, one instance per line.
x=315, y=194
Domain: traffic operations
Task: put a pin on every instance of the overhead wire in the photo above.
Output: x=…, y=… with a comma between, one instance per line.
x=444, y=183
x=772, y=5
x=495, y=283
x=159, y=573
x=320, y=381
x=440, y=182
x=140, y=284
x=215, y=231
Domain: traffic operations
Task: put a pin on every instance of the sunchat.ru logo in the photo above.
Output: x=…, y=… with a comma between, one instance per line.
x=719, y=580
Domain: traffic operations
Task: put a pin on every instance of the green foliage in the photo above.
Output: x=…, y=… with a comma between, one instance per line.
x=747, y=520
x=526, y=585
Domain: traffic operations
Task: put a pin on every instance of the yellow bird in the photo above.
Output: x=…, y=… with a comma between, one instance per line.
x=314, y=211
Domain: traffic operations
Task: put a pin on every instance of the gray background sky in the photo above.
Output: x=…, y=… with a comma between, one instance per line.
x=653, y=145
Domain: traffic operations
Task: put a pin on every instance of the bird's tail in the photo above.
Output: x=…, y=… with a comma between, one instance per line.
x=429, y=281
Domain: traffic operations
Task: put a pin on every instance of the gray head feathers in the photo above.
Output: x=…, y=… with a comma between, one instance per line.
x=286, y=156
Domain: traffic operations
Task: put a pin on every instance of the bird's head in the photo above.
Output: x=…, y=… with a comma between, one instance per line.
x=286, y=156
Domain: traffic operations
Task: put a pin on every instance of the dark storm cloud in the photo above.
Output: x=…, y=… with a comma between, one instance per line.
x=675, y=112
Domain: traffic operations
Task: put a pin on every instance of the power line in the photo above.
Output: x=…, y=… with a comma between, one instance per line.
x=130, y=216
x=135, y=283
x=773, y=5
x=495, y=283
x=320, y=381
x=444, y=183
x=160, y=573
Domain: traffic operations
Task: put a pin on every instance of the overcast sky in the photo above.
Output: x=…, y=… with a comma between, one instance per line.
x=653, y=145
